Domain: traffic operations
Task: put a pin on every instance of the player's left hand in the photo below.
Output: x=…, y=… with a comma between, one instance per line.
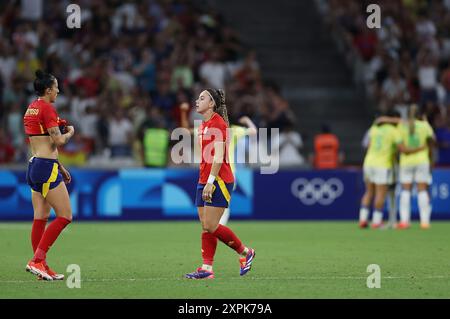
x=244, y=120
x=207, y=192
x=66, y=175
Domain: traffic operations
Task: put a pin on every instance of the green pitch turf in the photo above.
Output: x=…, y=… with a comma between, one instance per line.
x=293, y=260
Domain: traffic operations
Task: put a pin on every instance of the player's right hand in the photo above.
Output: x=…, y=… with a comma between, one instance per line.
x=70, y=129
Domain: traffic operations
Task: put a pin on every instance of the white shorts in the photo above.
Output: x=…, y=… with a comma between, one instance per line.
x=379, y=176
x=415, y=174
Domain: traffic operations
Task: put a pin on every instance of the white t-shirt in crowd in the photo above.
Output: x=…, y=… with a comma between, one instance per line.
x=289, y=143
x=427, y=77
x=119, y=131
x=214, y=74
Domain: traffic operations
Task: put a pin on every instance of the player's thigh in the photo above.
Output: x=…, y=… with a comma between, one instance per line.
x=41, y=207
x=212, y=217
x=59, y=199
x=422, y=176
x=201, y=213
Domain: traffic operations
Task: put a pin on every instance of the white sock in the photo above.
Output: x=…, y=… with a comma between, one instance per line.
x=392, y=207
x=244, y=253
x=405, y=206
x=377, y=217
x=207, y=267
x=424, y=207
x=363, y=214
x=225, y=217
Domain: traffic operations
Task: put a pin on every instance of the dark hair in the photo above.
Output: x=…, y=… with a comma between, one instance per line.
x=393, y=113
x=219, y=103
x=42, y=82
x=325, y=129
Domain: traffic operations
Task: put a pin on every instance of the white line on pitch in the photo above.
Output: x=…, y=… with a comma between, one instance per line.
x=251, y=278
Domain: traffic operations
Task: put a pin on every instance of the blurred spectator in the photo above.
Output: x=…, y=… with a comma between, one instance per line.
x=442, y=132
x=120, y=134
x=427, y=73
x=213, y=71
x=326, y=150
x=290, y=145
x=394, y=90
x=445, y=81
x=6, y=149
x=145, y=71
x=14, y=124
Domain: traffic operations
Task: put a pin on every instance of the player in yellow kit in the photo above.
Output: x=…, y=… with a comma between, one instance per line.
x=378, y=171
x=237, y=133
x=415, y=168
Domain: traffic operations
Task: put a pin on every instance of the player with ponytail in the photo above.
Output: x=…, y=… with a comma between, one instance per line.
x=215, y=185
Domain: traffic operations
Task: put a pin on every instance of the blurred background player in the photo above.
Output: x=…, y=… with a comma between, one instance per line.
x=247, y=128
x=45, y=173
x=215, y=185
x=378, y=171
x=416, y=167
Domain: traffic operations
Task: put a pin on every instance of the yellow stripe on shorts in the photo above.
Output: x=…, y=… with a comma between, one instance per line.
x=51, y=179
x=224, y=189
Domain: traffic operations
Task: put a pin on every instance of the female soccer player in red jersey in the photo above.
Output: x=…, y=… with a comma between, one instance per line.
x=215, y=185
x=45, y=173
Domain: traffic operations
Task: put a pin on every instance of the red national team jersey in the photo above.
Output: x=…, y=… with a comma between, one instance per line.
x=214, y=130
x=39, y=117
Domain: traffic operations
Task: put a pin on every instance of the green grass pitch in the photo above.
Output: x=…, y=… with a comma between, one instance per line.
x=293, y=260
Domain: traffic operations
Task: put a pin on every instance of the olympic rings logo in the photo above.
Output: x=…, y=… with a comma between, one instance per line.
x=317, y=191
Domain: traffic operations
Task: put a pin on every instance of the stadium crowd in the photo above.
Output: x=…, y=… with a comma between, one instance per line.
x=127, y=69
x=406, y=61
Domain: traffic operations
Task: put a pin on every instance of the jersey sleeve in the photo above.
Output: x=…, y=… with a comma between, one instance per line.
x=49, y=117
x=430, y=132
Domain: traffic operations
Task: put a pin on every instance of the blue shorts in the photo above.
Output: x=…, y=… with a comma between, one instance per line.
x=220, y=198
x=43, y=174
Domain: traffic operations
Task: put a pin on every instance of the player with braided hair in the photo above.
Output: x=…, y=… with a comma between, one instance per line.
x=215, y=184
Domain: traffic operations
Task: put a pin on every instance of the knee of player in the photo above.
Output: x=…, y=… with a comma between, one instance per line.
x=209, y=227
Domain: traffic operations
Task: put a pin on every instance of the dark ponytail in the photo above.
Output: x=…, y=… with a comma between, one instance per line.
x=42, y=82
x=219, y=103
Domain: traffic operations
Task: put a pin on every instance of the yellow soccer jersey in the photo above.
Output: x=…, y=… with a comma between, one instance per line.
x=422, y=132
x=383, y=145
x=237, y=132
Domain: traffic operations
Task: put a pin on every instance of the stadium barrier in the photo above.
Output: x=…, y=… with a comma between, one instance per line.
x=168, y=194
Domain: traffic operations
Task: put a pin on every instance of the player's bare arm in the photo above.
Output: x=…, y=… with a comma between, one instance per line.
x=184, y=108
x=251, y=127
x=58, y=138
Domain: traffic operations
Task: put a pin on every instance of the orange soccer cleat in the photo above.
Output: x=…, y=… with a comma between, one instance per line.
x=54, y=275
x=403, y=225
x=376, y=226
x=38, y=269
x=363, y=225
x=425, y=226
